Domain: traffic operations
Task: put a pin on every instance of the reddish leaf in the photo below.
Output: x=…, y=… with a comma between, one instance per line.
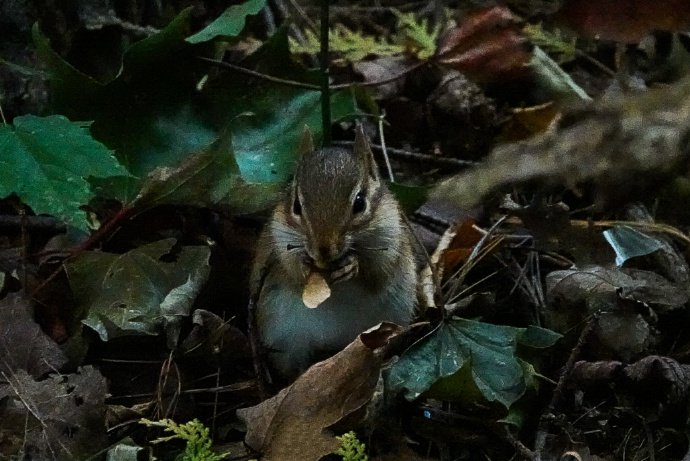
x=460, y=248
x=487, y=46
x=626, y=21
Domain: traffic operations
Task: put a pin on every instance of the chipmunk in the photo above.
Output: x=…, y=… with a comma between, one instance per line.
x=339, y=221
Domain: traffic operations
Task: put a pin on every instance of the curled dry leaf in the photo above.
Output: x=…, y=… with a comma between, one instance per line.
x=487, y=46
x=294, y=423
x=316, y=291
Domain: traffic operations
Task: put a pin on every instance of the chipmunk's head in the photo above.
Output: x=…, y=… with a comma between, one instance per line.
x=337, y=204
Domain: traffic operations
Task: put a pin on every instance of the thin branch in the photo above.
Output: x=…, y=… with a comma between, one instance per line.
x=253, y=73
x=383, y=148
x=310, y=86
x=33, y=223
x=325, y=76
x=408, y=155
x=548, y=414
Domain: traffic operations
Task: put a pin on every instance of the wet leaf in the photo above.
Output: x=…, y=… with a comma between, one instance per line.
x=137, y=292
x=46, y=162
x=468, y=354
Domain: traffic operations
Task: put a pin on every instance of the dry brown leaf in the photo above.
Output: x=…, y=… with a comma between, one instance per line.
x=625, y=21
x=294, y=424
x=316, y=291
x=488, y=46
x=529, y=121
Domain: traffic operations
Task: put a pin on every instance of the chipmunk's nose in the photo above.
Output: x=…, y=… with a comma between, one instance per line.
x=326, y=253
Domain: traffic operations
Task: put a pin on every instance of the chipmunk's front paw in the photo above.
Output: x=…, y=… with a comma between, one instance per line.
x=346, y=268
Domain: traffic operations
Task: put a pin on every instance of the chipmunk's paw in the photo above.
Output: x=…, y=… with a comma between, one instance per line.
x=346, y=268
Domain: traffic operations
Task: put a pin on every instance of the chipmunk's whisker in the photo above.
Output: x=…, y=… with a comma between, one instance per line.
x=290, y=246
x=374, y=248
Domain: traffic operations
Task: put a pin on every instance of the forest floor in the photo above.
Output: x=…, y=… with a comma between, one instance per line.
x=539, y=149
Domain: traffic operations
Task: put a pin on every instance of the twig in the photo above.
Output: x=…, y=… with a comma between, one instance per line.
x=253, y=73
x=407, y=155
x=547, y=415
x=33, y=223
x=519, y=446
x=325, y=77
x=269, y=20
x=294, y=30
x=100, y=234
x=310, y=86
x=596, y=63
x=302, y=14
x=383, y=148
x=98, y=21
x=650, y=440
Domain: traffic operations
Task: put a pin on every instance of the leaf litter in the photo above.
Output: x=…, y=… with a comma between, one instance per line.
x=553, y=242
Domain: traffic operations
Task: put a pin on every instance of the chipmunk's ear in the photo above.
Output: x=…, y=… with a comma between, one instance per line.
x=364, y=153
x=306, y=143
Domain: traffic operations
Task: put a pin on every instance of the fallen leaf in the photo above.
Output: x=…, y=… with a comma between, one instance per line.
x=528, y=121
x=316, y=291
x=625, y=21
x=487, y=46
x=60, y=418
x=138, y=292
x=294, y=424
x=462, y=356
x=23, y=345
x=461, y=246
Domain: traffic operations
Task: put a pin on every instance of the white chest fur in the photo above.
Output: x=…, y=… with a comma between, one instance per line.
x=295, y=334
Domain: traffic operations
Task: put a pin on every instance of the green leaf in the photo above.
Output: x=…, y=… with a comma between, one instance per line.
x=146, y=114
x=46, y=161
x=208, y=178
x=267, y=119
x=230, y=23
x=266, y=143
x=137, y=292
x=463, y=354
x=417, y=34
x=69, y=87
x=628, y=243
x=160, y=124
x=352, y=45
x=553, y=78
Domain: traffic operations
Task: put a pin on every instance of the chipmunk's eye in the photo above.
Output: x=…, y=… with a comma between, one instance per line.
x=360, y=203
x=297, y=207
